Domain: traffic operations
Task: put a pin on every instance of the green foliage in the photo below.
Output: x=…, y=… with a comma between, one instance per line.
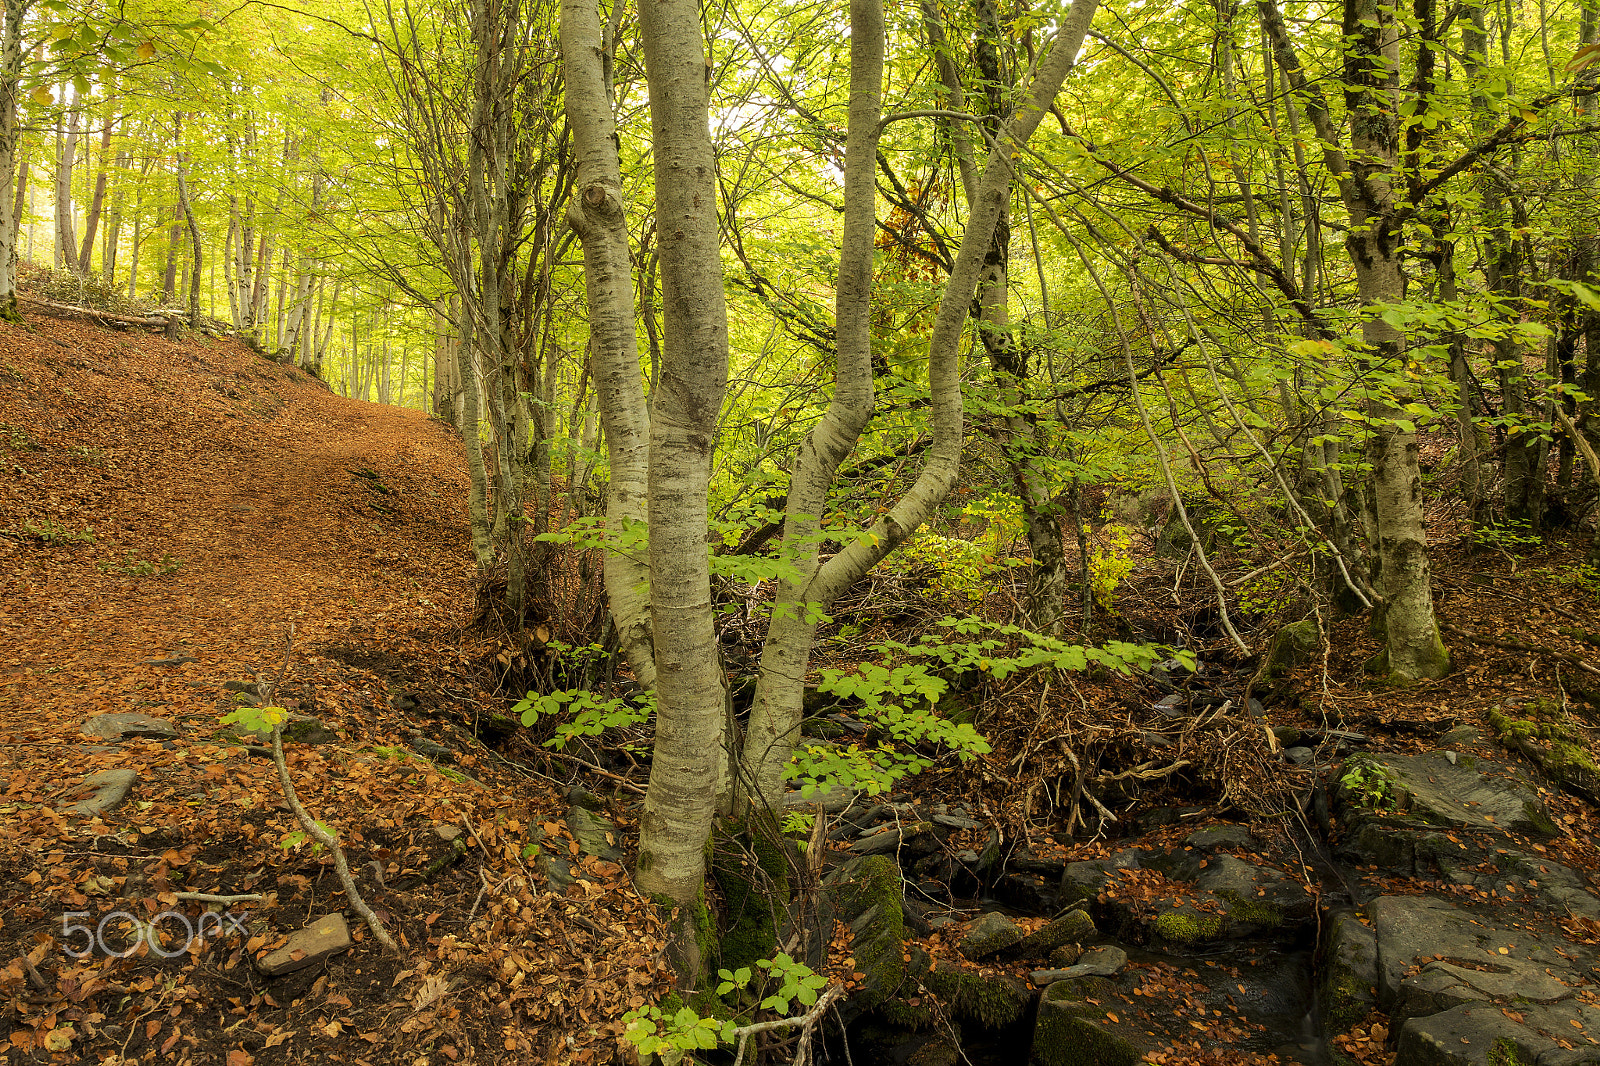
x=590, y=715
x=55, y=534
x=670, y=1033
x=130, y=566
x=1509, y=538
x=1109, y=562
x=797, y=823
x=1371, y=785
x=21, y=440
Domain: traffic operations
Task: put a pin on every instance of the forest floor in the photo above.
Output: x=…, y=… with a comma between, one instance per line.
x=169, y=510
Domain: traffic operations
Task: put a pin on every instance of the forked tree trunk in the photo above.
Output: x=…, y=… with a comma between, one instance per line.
x=14, y=12
x=690, y=735
x=775, y=717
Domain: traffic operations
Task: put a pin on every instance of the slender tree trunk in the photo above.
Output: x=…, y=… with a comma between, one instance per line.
x=14, y=11
x=597, y=215
x=194, y=230
x=91, y=221
x=66, y=222
x=775, y=716
x=690, y=703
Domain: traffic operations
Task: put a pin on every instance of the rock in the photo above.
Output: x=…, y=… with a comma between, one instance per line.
x=431, y=750
x=1291, y=646
x=299, y=729
x=446, y=833
x=990, y=1000
x=954, y=822
x=1221, y=836
x=1476, y=1035
x=1395, y=808
x=1070, y=1032
x=111, y=788
x=1085, y=880
x=1349, y=973
x=1098, y=962
x=172, y=659
x=595, y=835
x=987, y=934
x=1074, y=927
x=558, y=873
x=1065, y=955
x=1300, y=756
x=127, y=726
x=873, y=885
x=326, y=936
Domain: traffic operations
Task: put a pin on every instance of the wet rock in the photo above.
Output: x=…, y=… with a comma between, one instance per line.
x=1072, y=1032
x=1221, y=836
x=1087, y=879
x=429, y=749
x=987, y=934
x=1300, y=756
x=128, y=726
x=1103, y=961
x=111, y=788
x=1074, y=927
x=326, y=936
x=989, y=1000
x=1349, y=988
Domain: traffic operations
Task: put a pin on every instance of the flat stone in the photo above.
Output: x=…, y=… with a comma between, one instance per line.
x=1221, y=836
x=1474, y=794
x=954, y=821
x=446, y=833
x=328, y=935
x=833, y=800
x=111, y=788
x=1469, y=1035
x=128, y=725
x=1099, y=962
x=1300, y=756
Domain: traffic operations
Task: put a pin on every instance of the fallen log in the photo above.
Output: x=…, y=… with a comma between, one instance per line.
x=158, y=321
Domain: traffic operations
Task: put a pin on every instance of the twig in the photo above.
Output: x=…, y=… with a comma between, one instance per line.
x=207, y=897
x=623, y=781
x=312, y=827
x=1517, y=645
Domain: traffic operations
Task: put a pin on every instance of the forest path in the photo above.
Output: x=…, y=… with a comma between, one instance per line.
x=205, y=452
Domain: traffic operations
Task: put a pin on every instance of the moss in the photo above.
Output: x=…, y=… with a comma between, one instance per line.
x=1186, y=928
x=1539, y=818
x=991, y=1000
x=1507, y=1052
x=1071, y=1033
x=1253, y=911
x=755, y=899
x=1345, y=1000
x=880, y=946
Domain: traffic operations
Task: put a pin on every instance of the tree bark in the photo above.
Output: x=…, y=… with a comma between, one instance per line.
x=14, y=12
x=597, y=212
x=682, y=795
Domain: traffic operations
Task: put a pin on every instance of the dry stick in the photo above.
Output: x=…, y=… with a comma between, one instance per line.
x=314, y=830
x=207, y=897
x=1518, y=645
x=1580, y=442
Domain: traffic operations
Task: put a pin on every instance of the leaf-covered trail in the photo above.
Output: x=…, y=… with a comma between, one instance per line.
x=167, y=511
x=237, y=467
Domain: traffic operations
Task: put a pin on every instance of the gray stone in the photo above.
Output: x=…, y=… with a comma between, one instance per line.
x=1469, y=1035
x=987, y=934
x=328, y=935
x=111, y=788
x=1071, y=1032
x=1429, y=789
x=1085, y=880
x=1221, y=836
x=446, y=833
x=127, y=726
x=431, y=750
x=1104, y=961
x=1350, y=973
x=595, y=835
x=954, y=822
x=1300, y=756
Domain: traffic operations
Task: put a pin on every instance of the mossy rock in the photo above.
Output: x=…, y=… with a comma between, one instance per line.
x=1291, y=646
x=880, y=944
x=989, y=933
x=1070, y=1032
x=1188, y=926
x=1074, y=927
x=1349, y=972
x=1252, y=912
x=755, y=897
x=991, y=1000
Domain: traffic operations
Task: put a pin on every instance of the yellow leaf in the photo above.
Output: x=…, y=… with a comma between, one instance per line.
x=147, y=50
x=42, y=97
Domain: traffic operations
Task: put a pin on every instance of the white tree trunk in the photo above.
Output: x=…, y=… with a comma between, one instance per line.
x=10, y=84
x=682, y=794
x=596, y=211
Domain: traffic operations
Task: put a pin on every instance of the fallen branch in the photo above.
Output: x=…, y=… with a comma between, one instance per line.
x=207, y=897
x=1517, y=645
x=108, y=316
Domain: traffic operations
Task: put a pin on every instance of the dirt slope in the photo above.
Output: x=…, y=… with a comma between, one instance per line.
x=170, y=501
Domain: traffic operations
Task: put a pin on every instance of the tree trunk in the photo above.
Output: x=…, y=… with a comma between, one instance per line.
x=690, y=703
x=775, y=716
x=188, y=215
x=14, y=11
x=66, y=222
x=91, y=221
x=597, y=215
